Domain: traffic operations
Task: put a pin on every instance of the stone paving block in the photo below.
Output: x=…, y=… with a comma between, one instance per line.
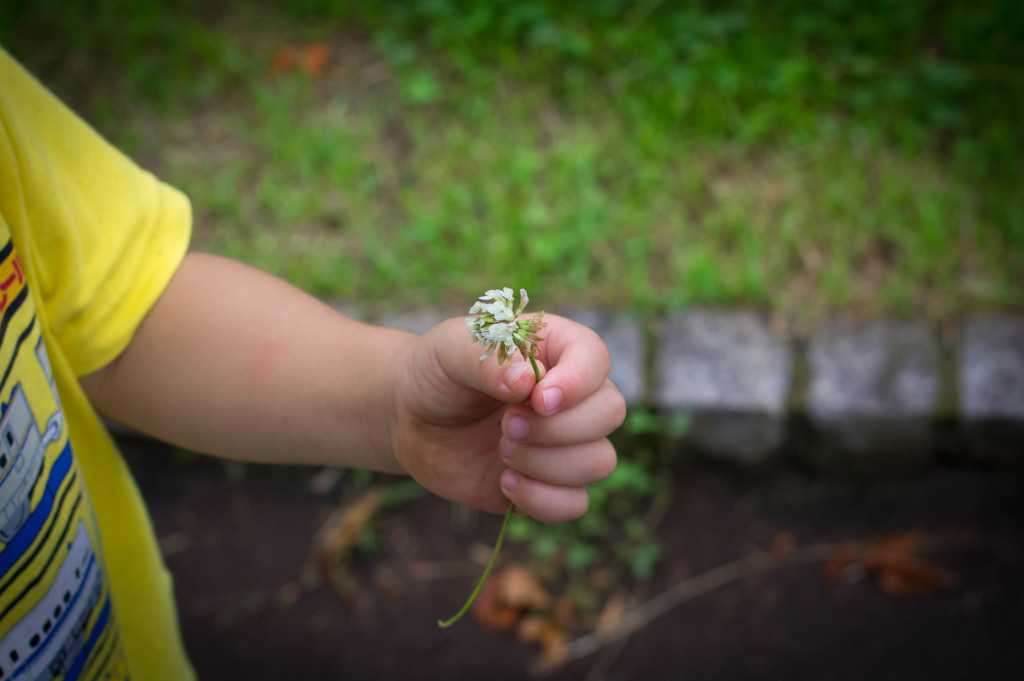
x=886, y=368
x=991, y=386
x=733, y=374
x=722, y=360
x=625, y=340
x=874, y=393
x=992, y=369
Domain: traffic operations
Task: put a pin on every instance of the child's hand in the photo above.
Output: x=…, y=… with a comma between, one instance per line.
x=461, y=431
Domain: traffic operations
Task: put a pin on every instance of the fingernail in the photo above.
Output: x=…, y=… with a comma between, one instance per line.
x=507, y=450
x=513, y=373
x=552, y=399
x=509, y=481
x=518, y=428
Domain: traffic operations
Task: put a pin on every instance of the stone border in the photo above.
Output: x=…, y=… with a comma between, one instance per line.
x=883, y=395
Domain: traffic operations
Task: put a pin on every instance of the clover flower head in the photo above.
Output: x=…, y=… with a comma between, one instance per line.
x=495, y=325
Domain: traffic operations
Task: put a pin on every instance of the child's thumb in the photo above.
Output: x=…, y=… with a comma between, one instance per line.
x=460, y=359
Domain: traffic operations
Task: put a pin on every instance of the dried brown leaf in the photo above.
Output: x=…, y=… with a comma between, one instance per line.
x=898, y=571
x=531, y=628
x=612, y=613
x=310, y=59
x=491, y=612
x=891, y=550
x=923, y=579
x=553, y=647
x=314, y=59
x=341, y=531
x=520, y=589
x=840, y=559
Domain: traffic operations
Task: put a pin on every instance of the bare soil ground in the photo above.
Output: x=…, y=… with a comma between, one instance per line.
x=238, y=545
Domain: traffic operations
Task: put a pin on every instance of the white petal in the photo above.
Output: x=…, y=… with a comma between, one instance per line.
x=500, y=332
x=497, y=294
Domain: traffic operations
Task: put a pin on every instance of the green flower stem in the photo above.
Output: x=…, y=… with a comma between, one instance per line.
x=536, y=370
x=444, y=624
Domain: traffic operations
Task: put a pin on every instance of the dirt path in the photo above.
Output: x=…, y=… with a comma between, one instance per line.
x=238, y=549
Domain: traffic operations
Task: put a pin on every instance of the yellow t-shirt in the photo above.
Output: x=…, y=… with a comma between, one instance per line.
x=88, y=241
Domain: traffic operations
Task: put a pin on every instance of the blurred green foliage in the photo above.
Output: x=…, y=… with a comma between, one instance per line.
x=807, y=157
x=746, y=70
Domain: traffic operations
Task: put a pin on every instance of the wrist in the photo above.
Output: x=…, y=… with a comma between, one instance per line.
x=384, y=417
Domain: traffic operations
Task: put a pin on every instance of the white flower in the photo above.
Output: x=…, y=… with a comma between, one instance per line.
x=494, y=325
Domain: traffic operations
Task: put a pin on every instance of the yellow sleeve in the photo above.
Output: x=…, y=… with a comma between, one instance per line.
x=102, y=235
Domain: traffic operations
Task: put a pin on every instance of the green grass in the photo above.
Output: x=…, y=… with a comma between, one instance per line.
x=810, y=158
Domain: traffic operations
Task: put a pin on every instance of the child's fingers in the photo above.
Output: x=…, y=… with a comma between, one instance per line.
x=595, y=418
x=572, y=466
x=541, y=501
x=578, y=364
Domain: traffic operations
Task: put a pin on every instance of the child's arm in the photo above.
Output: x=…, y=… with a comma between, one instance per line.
x=233, y=362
